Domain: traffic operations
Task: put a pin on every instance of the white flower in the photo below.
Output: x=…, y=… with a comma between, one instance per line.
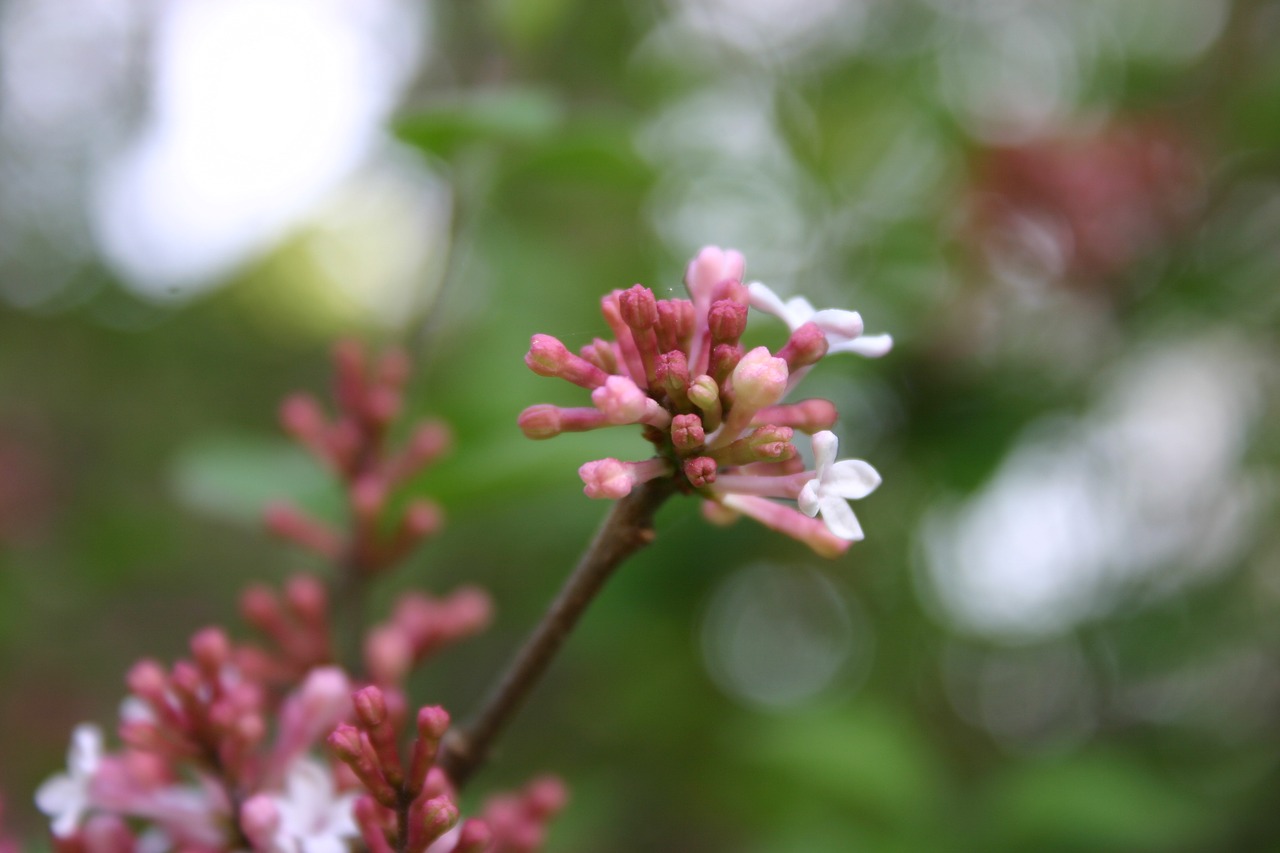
x=836, y=483
x=843, y=329
x=65, y=797
x=313, y=817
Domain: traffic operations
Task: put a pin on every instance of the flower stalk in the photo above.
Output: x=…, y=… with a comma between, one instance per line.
x=626, y=530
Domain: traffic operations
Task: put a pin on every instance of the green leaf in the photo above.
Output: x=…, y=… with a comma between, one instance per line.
x=498, y=115
x=234, y=477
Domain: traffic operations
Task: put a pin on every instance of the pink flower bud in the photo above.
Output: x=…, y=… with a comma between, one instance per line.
x=687, y=433
x=600, y=353
x=547, y=356
x=430, y=820
x=540, y=421
x=711, y=266
x=621, y=400
x=301, y=417
x=606, y=478
x=671, y=373
x=639, y=307
x=307, y=599
x=388, y=654
x=260, y=818
x=808, y=416
x=211, y=650
x=705, y=394
x=288, y=522
x=807, y=345
x=422, y=518
x=102, y=833
x=726, y=321
x=367, y=495
x=475, y=837
x=724, y=358
x=370, y=706
x=700, y=471
x=546, y=796
x=759, y=380
x=381, y=405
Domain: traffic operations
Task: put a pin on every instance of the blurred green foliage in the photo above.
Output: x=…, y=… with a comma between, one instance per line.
x=148, y=441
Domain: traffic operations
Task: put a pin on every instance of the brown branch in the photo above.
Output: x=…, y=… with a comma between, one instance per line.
x=627, y=529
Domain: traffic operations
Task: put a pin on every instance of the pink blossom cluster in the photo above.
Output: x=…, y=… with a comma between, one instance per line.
x=353, y=445
x=274, y=746
x=714, y=410
x=511, y=823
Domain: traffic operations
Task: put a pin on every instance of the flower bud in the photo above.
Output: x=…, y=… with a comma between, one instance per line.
x=759, y=380
x=700, y=471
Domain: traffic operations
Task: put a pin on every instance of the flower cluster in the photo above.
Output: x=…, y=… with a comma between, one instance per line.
x=511, y=823
x=369, y=395
x=713, y=409
x=224, y=750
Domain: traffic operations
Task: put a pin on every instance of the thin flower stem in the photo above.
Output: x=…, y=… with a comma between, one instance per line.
x=627, y=529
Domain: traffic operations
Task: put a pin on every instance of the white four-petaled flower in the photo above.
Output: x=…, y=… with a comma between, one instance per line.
x=65, y=797
x=843, y=329
x=836, y=483
x=314, y=818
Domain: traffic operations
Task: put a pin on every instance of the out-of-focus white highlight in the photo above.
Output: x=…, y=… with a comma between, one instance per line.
x=778, y=636
x=1149, y=487
x=260, y=108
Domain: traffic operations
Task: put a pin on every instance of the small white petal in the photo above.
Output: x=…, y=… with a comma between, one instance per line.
x=851, y=479
x=837, y=323
x=85, y=751
x=825, y=445
x=871, y=346
x=57, y=794
x=809, y=498
x=799, y=311
x=764, y=299
x=840, y=519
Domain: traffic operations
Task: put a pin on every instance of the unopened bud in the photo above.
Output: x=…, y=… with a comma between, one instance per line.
x=700, y=471
x=639, y=307
x=687, y=433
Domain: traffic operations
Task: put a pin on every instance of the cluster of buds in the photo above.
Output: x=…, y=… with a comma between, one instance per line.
x=1083, y=206
x=195, y=749
x=297, y=625
x=421, y=626
x=368, y=394
x=411, y=805
x=405, y=808
x=714, y=410
x=219, y=750
x=295, y=621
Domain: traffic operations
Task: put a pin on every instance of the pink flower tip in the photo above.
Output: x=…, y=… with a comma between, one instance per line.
x=621, y=400
x=760, y=379
x=546, y=796
x=606, y=478
x=433, y=722
x=546, y=355
x=370, y=705
x=711, y=266
x=300, y=415
x=474, y=837
x=211, y=648
x=540, y=421
x=388, y=654
x=260, y=818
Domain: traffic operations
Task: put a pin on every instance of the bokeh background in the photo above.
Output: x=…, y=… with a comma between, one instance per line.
x=1062, y=630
